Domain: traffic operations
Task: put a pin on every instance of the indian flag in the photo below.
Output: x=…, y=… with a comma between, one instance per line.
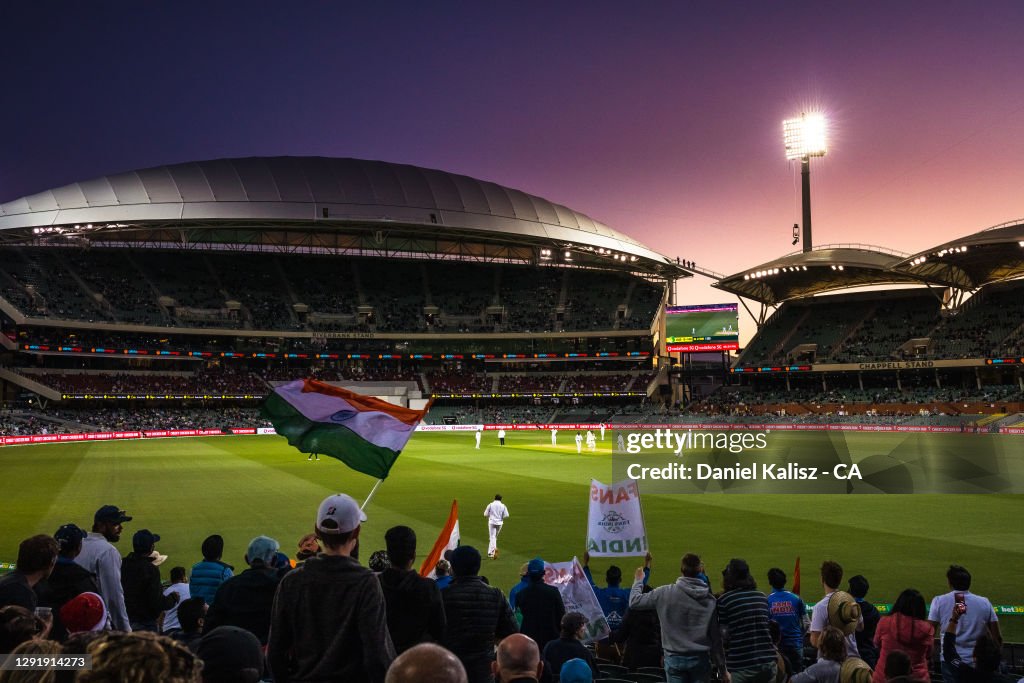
x=364, y=432
x=448, y=539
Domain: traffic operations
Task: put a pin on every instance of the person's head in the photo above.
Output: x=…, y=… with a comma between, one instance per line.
x=958, y=577
x=465, y=561
x=69, y=540
x=140, y=657
x=443, y=568
x=909, y=603
x=426, y=663
x=613, y=576
x=261, y=551
x=36, y=555
x=143, y=541
x=576, y=671
x=32, y=648
x=17, y=625
x=987, y=653
x=831, y=574
x=192, y=614
x=736, y=576
x=84, y=613
x=832, y=644
x=401, y=545
x=338, y=523
x=230, y=655
x=518, y=657
x=897, y=663
x=497, y=496
x=858, y=586
x=776, y=578
x=213, y=548
x=690, y=566
x=379, y=561
x=309, y=544
x=178, y=575
x=109, y=521
x=535, y=569
x=572, y=625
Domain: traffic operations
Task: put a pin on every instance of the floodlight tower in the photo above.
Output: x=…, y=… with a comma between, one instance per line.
x=805, y=138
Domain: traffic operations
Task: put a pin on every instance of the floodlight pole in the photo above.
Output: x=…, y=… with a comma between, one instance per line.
x=805, y=186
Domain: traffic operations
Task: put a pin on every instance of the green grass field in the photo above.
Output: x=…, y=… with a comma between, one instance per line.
x=186, y=489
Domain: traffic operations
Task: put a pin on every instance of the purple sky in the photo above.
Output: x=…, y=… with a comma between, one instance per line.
x=663, y=122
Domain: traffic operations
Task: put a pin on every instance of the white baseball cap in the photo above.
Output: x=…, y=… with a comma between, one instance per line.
x=342, y=514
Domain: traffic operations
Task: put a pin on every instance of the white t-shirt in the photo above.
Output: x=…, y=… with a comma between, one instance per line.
x=496, y=512
x=972, y=624
x=171, y=615
x=579, y=438
x=501, y=433
x=819, y=620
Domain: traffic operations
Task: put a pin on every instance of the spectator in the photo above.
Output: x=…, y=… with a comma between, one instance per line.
x=32, y=648
x=898, y=667
x=541, y=606
x=568, y=645
x=192, y=619
x=518, y=660
x=614, y=599
x=414, y=607
x=978, y=620
x=690, y=635
x=230, y=655
x=524, y=581
x=576, y=671
x=787, y=610
x=831, y=653
x=100, y=557
x=743, y=613
x=143, y=595
x=18, y=625
x=140, y=658
x=179, y=585
x=247, y=600
x=905, y=630
x=840, y=611
x=36, y=558
x=84, y=613
x=67, y=579
x=309, y=546
x=379, y=561
x=477, y=615
x=208, y=575
x=640, y=634
x=865, y=637
x=329, y=620
x=443, y=573
x=426, y=663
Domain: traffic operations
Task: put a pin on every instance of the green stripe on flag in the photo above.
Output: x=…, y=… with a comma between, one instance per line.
x=334, y=440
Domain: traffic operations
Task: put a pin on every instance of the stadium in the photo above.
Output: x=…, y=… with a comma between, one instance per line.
x=170, y=301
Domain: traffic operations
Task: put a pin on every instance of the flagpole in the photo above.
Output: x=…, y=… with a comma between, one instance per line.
x=372, y=491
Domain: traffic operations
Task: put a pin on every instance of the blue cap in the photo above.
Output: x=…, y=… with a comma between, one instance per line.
x=69, y=536
x=536, y=567
x=576, y=671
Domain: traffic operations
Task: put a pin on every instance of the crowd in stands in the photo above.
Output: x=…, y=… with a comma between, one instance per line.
x=75, y=420
x=246, y=290
x=210, y=380
x=603, y=383
x=317, y=614
x=459, y=382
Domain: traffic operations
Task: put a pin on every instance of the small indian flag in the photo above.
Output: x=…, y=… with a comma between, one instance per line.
x=448, y=539
x=364, y=432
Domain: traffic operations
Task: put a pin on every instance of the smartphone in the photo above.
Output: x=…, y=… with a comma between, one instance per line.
x=960, y=603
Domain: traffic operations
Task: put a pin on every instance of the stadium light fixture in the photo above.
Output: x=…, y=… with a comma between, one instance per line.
x=803, y=138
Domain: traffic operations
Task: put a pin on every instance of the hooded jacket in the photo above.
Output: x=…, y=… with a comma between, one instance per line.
x=688, y=616
x=144, y=597
x=329, y=624
x=414, y=608
x=478, y=616
x=245, y=601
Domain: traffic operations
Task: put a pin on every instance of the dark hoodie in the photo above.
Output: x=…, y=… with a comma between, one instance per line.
x=329, y=624
x=688, y=616
x=144, y=597
x=414, y=607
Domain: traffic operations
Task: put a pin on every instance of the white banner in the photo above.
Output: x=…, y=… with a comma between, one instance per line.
x=578, y=596
x=615, y=523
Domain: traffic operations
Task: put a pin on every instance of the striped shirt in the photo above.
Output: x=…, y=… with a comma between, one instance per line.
x=743, y=615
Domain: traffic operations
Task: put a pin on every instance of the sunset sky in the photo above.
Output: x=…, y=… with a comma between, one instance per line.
x=662, y=120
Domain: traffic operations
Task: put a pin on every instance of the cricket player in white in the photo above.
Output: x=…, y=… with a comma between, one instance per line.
x=554, y=436
x=479, y=434
x=579, y=442
x=602, y=431
x=496, y=513
x=591, y=441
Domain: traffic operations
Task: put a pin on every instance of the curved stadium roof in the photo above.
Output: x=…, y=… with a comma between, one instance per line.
x=326, y=193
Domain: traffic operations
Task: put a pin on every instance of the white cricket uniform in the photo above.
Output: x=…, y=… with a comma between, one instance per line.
x=579, y=442
x=554, y=437
x=591, y=441
x=479, y=435
x=602, y=431
x=496, y=514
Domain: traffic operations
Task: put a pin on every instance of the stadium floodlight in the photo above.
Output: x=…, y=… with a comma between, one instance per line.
x=804, y=137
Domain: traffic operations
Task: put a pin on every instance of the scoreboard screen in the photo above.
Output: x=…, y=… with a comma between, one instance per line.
x=709, y=327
